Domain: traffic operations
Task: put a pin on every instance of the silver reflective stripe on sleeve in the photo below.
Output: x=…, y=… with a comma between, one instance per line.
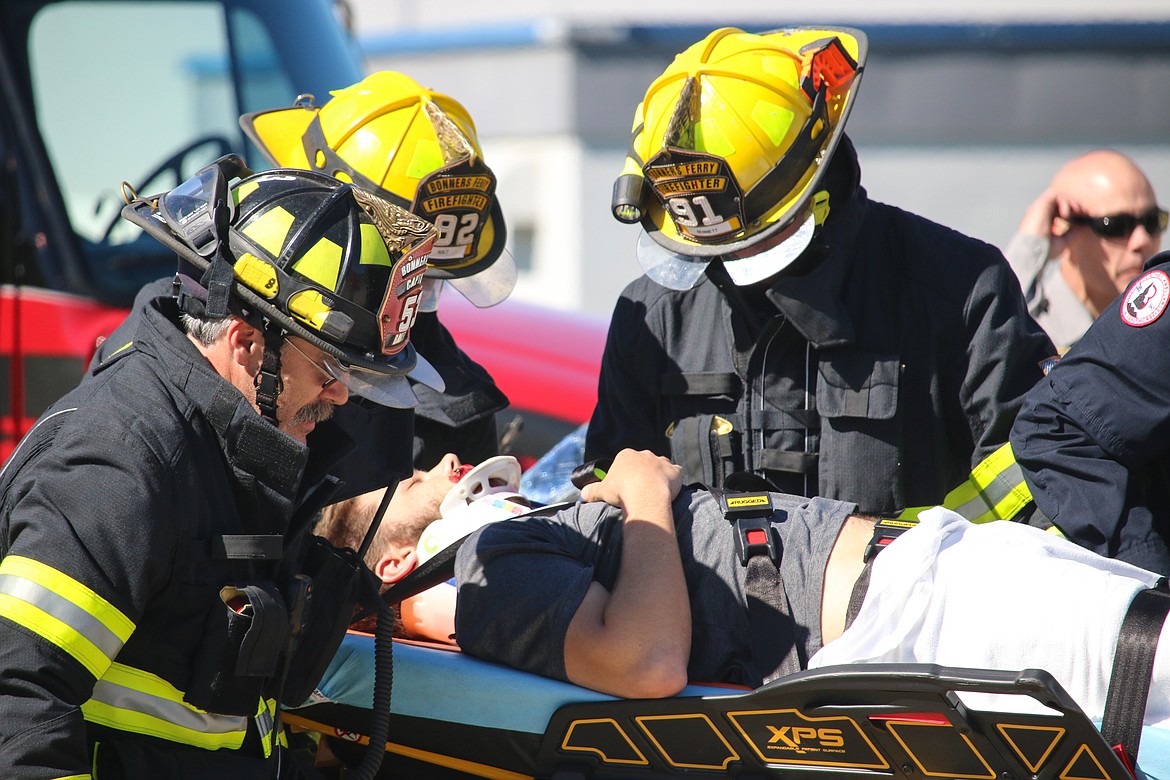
x=136, y=701
x=64, y=610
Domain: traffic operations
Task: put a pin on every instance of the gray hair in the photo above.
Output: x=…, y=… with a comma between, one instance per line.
x=205, y=331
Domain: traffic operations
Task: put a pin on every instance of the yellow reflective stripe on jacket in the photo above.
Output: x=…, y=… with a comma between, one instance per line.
x=132, y=700
x=57, y=607
x=995, y=490
x=265, y=722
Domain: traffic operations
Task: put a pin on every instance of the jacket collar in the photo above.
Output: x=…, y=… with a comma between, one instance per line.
x=254, y=448
x=814, y=301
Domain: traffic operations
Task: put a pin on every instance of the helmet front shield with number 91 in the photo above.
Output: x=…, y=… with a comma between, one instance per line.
x=729, y=145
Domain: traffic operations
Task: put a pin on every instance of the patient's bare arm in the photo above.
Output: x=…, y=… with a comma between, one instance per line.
x=635, y=641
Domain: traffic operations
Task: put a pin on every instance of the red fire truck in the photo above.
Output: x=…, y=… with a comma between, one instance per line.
x=101, y=92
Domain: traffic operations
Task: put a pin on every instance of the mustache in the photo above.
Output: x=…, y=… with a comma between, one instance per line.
x=316, y=412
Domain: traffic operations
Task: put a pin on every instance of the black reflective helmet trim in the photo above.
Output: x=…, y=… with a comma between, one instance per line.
x=144, y=213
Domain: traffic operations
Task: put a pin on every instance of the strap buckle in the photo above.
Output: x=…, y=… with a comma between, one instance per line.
x=886, y=530
x=750, y=515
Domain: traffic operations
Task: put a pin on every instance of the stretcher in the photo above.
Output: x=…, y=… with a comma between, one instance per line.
x=454, y=716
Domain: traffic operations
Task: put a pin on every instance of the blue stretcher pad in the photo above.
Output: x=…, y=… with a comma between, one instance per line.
x=446, y=685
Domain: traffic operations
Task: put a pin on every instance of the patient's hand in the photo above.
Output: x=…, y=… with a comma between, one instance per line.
x=636, y=479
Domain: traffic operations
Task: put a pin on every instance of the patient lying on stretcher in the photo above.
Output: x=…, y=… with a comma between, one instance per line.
x=427, y=511
x=640, y=588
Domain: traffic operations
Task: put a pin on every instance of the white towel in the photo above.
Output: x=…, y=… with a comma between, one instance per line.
x=998, y=596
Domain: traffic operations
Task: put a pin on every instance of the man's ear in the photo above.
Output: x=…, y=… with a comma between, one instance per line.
x=246, y=345
x=396, y=563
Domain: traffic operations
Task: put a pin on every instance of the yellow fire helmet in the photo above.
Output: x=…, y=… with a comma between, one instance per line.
x=731, y=141
x=417, y=149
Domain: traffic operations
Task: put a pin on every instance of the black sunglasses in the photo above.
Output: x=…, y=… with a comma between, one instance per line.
x=1122, y=225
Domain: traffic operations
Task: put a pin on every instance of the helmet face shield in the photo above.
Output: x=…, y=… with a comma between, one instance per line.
x=491, y=285
x=768, y=262
x=391, y=390
x=682, y=272
x=668, y=268
x=731, y=141
x=195, y=210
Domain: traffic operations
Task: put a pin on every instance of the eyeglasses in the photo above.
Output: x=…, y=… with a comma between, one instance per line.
x=387, y=389
x=332, y=370
x=1123, y=225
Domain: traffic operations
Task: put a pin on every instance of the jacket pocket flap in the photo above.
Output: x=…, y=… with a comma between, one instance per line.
x=858, y=384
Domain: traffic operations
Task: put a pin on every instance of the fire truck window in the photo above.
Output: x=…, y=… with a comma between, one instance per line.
x=141, y=92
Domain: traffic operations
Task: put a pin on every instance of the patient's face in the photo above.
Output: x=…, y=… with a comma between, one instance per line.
x=420, y=495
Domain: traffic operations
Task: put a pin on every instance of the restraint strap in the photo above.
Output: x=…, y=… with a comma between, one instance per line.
x=774, y=644
x=1133, y=667
x=885, y=530
x=775, y=648
x=857, y=595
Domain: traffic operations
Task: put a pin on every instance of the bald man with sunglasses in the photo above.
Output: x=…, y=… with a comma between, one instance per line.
x=1083, y=240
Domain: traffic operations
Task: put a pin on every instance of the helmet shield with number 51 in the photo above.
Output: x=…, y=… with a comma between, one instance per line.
x=729, y=146
x=417, y=149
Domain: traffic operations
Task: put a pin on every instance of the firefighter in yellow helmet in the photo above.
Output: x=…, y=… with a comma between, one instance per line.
x=789, y=332
x=418, y=149
x=160, y=592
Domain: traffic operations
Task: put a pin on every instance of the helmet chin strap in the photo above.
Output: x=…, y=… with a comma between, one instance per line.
x=268, y=382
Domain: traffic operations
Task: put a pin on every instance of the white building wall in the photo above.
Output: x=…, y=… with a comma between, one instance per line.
x=383, y=15
x=966, y=140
